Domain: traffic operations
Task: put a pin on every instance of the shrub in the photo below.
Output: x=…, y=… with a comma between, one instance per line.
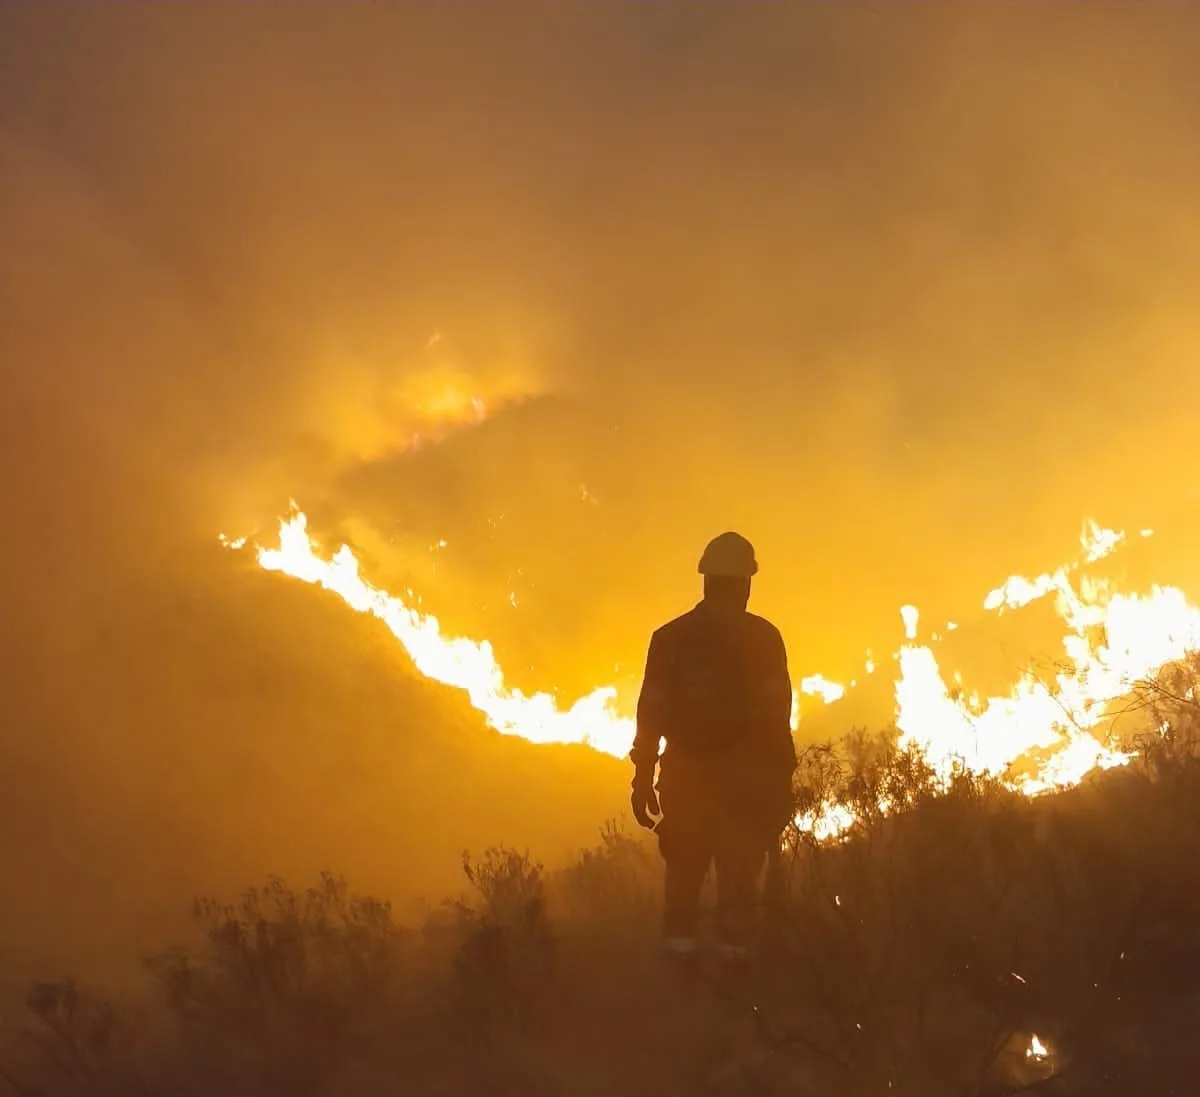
x=289, y=984
x=505, y=963
x=916, y=953
x=612, y=885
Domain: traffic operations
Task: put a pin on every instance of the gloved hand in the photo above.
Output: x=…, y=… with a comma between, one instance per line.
x=645, y=801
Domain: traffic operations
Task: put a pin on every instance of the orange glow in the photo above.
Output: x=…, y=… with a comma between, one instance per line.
x=1037, y=1050
x=1112, y=641
x=817, y=685
x=438, y=402
x=1047, y=727
x=461, y=663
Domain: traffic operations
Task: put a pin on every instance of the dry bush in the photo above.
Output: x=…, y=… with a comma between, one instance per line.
x=904, y=987
x=290, y=985
x=505, y=964
x=1168, y=726
x=76, y=1046
x=612, y=886
x=933, y=938
x=914, y=955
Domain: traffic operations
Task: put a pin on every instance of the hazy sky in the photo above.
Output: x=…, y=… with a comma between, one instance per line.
x=901, y=292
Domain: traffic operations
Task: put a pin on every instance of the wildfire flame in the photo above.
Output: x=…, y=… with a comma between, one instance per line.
x=817, y=685
x=1112, y=641
x=465, y=664
x=1037, y=1050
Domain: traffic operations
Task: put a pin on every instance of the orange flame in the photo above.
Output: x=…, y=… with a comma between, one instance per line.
x=465, y=664
x=817, y=685
x=1037, y=1049
x=1112, y=641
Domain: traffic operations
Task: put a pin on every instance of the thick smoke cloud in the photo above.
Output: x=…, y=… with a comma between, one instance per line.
x=903, y=295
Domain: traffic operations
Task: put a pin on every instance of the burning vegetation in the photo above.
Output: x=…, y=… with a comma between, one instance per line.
x=948, y=914
x=934, y=923
x=1046, y=734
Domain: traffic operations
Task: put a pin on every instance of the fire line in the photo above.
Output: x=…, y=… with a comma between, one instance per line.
x=1112, y=640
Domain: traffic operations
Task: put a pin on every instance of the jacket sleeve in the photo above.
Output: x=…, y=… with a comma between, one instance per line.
x=777, y=701
x=651, y=708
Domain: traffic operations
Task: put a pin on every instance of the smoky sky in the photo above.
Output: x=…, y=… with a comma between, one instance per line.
x=903, y=292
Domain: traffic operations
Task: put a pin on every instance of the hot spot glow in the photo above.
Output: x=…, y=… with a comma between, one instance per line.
x=817, y=685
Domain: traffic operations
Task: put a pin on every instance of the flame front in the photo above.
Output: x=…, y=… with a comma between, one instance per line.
x=465, y=664
x=1049, y=725
x=1112, y=642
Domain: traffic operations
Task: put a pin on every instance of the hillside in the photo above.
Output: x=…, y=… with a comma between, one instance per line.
x=177, y=721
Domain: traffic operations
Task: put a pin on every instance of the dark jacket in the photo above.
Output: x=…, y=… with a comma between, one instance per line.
x=717, y=691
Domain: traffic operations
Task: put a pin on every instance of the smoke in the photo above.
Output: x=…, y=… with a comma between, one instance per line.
x=904, y=296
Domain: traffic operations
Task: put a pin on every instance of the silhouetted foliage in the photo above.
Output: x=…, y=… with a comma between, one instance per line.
x=915, y=954
x=611, y=886
x=505, y=962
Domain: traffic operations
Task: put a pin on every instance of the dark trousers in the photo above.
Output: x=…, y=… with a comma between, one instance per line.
x=692, y=840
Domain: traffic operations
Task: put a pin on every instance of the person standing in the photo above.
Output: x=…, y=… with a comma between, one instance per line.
x=717, y=699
